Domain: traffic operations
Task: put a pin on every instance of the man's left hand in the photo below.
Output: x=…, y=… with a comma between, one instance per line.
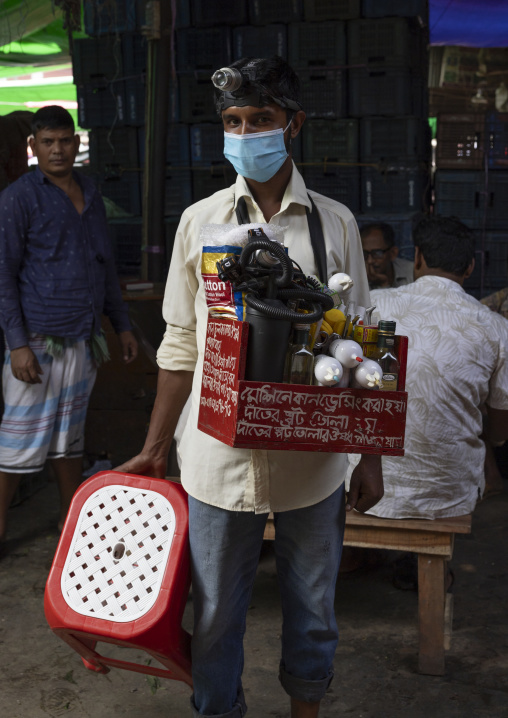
x=129, y=346
x=366, y=486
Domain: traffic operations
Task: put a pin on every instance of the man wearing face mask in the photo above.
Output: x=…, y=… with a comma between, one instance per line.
x=231, y=491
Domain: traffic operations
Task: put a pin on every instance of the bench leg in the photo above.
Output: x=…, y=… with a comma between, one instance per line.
x=431, y=614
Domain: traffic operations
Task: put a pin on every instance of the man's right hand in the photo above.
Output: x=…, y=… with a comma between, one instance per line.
x=144, y=465
x=24, y=365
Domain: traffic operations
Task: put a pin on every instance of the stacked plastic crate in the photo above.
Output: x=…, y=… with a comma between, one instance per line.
x=388, y=61
x=109, y=71
x=471, y=183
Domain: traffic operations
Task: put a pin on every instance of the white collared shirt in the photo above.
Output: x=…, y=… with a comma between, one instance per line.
x=457, y=361
x=244, y=479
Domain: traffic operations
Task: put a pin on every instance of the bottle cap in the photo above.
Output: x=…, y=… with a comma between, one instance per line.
x=387, y=326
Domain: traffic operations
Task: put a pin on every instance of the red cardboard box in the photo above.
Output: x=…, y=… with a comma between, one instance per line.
x=258, y=415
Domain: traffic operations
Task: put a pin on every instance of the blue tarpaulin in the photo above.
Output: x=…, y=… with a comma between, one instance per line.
x=477, y=23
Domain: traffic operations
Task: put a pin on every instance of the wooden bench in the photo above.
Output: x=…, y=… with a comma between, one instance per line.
x=433, y=542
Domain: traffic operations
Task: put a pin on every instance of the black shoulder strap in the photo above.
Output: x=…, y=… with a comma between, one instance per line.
x=317, y=238
x=317, y=241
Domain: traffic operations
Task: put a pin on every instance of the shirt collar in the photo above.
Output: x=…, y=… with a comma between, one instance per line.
x=86, y=184
x=296, y=192
x=433, y=280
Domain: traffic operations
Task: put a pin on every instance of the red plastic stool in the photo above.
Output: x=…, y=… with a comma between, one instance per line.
x=121, y=573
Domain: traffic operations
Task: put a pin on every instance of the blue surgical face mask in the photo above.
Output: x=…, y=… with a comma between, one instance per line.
x=257, y=155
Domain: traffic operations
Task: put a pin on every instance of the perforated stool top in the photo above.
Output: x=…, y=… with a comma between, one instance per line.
x=121, y=573
x=118, y=553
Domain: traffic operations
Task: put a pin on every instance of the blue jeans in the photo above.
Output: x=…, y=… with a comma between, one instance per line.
x=225, y=548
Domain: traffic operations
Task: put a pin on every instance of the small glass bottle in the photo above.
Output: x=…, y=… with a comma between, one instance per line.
x=385, y=356
x=300, y=360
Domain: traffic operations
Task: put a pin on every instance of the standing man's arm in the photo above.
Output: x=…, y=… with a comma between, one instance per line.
x=173, y=389
x=15, y=223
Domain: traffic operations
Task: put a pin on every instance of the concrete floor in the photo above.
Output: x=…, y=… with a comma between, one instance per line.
x=376, y=663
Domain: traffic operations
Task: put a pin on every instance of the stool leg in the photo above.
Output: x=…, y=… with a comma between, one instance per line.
x=431, y=614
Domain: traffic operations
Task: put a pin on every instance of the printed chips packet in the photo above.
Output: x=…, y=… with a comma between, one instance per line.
x=225, y=240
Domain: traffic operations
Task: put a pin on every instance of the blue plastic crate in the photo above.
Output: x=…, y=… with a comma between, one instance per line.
x=397, y=188
x=460, y=193
x=316, y=10
x=390, y=138
x=265, y=12
x=135, y=98
x=251, y=41
x=402, y=225
x=317, y=45
x=387, y=91
x=496, y=140
x=339, y=183
x=199, y=49
x=497, y=201
x=134, y=54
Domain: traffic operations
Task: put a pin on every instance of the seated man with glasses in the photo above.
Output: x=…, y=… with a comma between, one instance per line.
x=384, y=268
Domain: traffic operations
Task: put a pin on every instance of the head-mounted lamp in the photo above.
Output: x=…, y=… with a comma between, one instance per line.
x=239, y=88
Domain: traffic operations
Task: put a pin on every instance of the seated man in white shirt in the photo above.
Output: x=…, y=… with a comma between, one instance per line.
x=231, y=490
x=457, y=362
x=384, y=266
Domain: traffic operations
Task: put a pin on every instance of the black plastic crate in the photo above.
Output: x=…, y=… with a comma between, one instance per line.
x=251, y=41
x=339, y=183
x=394, y=8
x=491, y=262
x=208, y=180
x=396, y=188
x=497, y=201
x=101, y=106
x=402, y=225
x=97, y=60
x=177, y=190
x=317, y=45
x=331, y=9
x=126, y=238
x=221, y=12
x=460, y=141
x=323, y=93
x=124, y=190
x=103, y=17
x=134, y=54
x=112, y=150
x=387, y=91
x=265, y=12
x=460, y=193
x=330, y=140
x=390, y=138
x=203, y=48
x=496, y=139
x=393, y=41
x=196, y=99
